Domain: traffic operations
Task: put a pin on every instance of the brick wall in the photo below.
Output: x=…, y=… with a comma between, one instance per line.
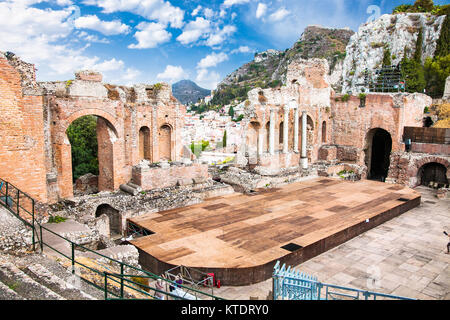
x=21, y=135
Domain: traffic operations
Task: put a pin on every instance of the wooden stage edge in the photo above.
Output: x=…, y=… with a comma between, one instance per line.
x=251, y=274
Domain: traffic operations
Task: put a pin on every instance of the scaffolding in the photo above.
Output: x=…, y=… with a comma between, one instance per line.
x=385, y=79
x=189, y=278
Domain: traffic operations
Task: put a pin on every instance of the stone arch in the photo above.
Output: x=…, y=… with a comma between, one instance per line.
x=165, y=142
x=414, y=171
x=432, y=172
x=91, y=112
x=113, y=220
x=107, y=136
x=144, y=143
x=377, y=153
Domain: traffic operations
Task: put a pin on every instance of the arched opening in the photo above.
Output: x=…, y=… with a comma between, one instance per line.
x=144, y=144
x=324, y=132
x=267, y=140
x=253, y=137
x=113, y=221
x=432, y=173
x=91, y=141
x=378, y=152
x=281, y=136
x=82, y=134
x=165, y=143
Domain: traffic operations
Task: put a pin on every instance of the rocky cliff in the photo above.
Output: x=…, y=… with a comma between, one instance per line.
x=269, y=68
x=394, y=32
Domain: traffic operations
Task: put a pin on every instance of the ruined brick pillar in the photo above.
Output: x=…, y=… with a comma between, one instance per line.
x=106, y=139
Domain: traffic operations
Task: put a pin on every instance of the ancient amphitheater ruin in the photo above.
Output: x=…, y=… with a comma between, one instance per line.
x=316, y=170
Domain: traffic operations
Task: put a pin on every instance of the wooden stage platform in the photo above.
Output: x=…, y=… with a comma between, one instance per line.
x=240, y=237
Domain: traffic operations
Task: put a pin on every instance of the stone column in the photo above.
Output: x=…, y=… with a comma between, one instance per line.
x=272, y=132
x=261, y=136
x=304, y=157
x=286, y=130
x=296, y=118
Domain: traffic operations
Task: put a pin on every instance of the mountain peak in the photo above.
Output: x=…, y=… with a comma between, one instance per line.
x=187, y=91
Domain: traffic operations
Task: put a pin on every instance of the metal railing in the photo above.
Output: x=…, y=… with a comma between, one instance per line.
x=291, y=284
x=109, y=280
x=18, y=202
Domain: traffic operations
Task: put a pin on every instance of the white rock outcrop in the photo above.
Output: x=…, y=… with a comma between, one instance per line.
x=447, y=89
x=396, y=32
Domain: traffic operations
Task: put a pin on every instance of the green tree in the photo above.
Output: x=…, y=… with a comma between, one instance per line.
x=419, y=47
x=443, y=43
x=224, y=139
x=231, y=112
x=82, y=134
x=423, y=5
x=436, y=72
x=414, y=75
x=387, y=57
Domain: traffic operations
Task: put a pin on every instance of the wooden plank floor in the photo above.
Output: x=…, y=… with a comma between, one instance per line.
x=239, y=231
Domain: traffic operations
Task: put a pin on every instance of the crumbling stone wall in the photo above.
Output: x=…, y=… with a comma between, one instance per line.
x=308, y=90
x=339, y=129
x=35, y=151
x=405, y=166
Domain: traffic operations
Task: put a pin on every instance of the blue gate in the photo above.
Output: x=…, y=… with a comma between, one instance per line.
x=291, y=284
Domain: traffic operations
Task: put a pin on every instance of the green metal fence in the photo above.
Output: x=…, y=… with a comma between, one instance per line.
x=19, y=203
x=292, y=284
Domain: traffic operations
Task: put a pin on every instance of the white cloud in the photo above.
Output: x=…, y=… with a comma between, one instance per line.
x=108, y=28
x=151, y=34
x=109, y=65
x=196, y=11
x=42, y=40
x=172, y=74
x=91, y=38
x=159, y=10
x=209, y=13
x=220, y=36
x=194, y=30
x=241, y=49
x=229, y=3
x=212, y=60
x=279, y=15
x=207, y=79
x=261, y=10
x=64, y=2
x=131, y=74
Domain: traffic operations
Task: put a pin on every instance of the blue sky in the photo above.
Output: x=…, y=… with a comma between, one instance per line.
x=150, y=41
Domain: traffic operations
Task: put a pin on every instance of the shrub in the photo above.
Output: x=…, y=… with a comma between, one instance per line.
x=56, y=219
x=345, y=97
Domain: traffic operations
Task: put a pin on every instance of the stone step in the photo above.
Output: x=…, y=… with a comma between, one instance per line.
x=70, y=288
x=6, y=293
x=24, y=285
